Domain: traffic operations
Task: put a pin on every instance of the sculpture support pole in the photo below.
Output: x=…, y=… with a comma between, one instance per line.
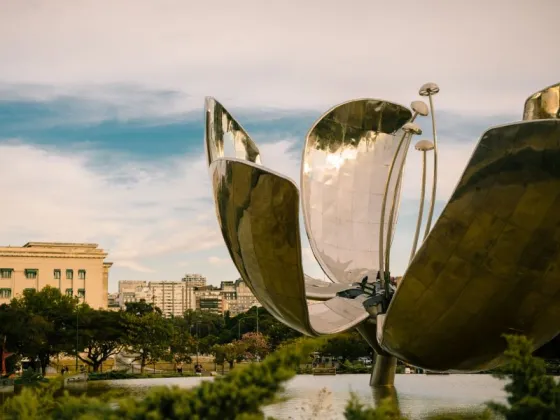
x=434, y=181
x=382, y=267
x=383, y=374
x=421, y=210
x=383, y=371
x=408, y=129
x=394, y=205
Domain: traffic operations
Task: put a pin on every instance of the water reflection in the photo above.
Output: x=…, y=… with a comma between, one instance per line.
x=327, y=396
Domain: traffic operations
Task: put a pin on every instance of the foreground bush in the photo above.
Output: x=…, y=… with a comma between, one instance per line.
x=242, y=394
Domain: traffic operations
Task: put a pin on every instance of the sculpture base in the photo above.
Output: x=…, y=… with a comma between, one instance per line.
x=383, y=371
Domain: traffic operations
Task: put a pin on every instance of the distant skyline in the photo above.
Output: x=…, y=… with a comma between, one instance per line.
x=101, y=105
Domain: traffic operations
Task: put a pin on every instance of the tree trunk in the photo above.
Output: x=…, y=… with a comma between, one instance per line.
x=95, y=366
x=230, y=364
x=142, y=364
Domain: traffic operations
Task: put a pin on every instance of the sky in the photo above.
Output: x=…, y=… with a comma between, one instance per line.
x=101, y=106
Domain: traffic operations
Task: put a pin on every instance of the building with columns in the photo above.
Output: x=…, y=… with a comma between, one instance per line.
x=77, y=269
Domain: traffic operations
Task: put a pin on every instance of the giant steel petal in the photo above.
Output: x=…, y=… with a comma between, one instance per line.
x=543, y=104
x=221, y=127
x=491, y=265
x=345, y=167
x=257, y=210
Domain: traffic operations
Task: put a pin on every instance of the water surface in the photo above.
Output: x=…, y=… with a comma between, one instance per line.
x=417, y=395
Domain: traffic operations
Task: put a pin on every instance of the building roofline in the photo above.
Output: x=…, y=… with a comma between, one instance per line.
x=60, y=244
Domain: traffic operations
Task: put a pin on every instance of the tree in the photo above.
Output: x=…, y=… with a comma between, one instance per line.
x=230, y=352
x=149, y=336
x=141, y=308
x=48, y=320
x=101, y=335
x=255, y=344
x=347, y=346
x=182, y=343
x=532, y=394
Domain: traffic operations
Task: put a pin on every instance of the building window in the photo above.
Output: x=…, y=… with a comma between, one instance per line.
x=82, y=274
x=6, y=273
x=69, y=274
x=82, y=293
x=31, y=273
x=57, y=274
x=5, y=293
x=29, y=289
x=69, y=292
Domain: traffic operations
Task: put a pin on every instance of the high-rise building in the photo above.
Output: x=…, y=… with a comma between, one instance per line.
x=133, y=291
x=209, y=299
x=113, y=302
x=194, y=280
x=245, y=299
x=76, y=269
x=172, y=297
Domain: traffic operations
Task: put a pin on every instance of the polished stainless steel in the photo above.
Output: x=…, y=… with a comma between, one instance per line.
x=491, y=265
x=419, y=108
x=423, y=146
x=384, y=252
x=345, y=167
x=543, y=104
x=219, y=125
x=429, y=90
x=259, y=218
x=323, y=290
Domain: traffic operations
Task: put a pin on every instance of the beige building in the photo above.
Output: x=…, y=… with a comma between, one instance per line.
x=210, y=299
x=113, y=302
x=172, y=297
x=133, y=291
x=244, y=299
x=74, y=268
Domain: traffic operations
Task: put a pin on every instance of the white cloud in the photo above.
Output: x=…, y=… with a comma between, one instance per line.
x=140, y=212
x=288, y=54
x=218, y=261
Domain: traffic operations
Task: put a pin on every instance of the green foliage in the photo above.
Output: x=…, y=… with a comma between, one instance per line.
x=149, y=336
x=532, y=394
x=101, y=335
x=355, y=410
x=348, y=346
x=239, y=395
x=40, y=324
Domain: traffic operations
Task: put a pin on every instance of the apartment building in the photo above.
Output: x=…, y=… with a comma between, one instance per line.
x=76, y=269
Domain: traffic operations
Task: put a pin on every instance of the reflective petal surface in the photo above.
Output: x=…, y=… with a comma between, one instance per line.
x=543, y=104
x=344, y=173
x=491, y=265
x=257, y=210
x=222, y=130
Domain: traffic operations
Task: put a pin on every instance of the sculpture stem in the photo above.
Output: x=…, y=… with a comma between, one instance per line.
x=384, y=370
x=384, y=267
x=434, y=181
x=394, y=204
x=421, y=210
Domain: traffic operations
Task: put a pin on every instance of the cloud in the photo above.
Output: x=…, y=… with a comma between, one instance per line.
x=329, y=53
x=219, y=261
x=137, y=210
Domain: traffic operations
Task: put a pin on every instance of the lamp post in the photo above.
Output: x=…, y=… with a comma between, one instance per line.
x=423, y=146
x=77, y=330
x=429, y=90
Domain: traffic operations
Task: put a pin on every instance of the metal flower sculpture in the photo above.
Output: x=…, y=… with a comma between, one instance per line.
x=489, y=266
